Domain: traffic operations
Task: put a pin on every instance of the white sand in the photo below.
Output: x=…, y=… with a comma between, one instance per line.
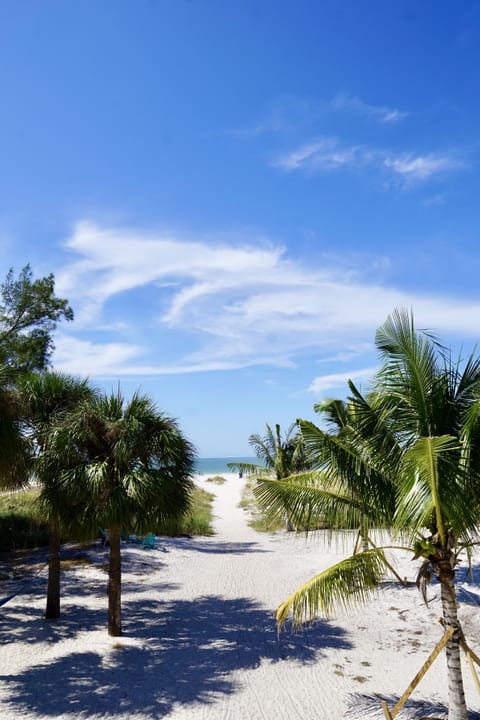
x=200, y=641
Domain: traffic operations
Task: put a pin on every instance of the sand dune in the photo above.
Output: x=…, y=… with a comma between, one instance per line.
x=200, y=641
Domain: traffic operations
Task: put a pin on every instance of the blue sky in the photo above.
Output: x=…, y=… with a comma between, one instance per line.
x=234, y=194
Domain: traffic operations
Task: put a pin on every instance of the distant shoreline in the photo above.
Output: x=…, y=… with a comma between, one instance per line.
x=218, y=465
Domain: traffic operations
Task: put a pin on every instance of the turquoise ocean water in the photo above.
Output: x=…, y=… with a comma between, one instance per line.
x=218, y=465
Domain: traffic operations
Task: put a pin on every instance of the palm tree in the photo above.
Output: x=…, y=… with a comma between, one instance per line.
x=47, y=398
x=280, y=457
x=130, y=467
x=424, y=435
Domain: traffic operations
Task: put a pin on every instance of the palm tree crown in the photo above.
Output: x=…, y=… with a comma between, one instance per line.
x=408, y=457
x=130, y=467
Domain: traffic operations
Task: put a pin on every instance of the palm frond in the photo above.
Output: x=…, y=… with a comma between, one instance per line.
x=307, y=503
x=429, y=468
x=349, y=582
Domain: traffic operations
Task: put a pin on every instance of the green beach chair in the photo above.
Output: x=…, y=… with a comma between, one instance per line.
x=149, y=541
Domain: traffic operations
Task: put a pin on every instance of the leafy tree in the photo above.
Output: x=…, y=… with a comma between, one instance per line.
x=47, y=398
x=29, y=312
x=15, y=449
x=423, y=434
x=130, y=468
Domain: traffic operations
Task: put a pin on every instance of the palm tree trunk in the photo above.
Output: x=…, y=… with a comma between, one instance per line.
x=457, y=708
x=114, y=584
x=53, y=590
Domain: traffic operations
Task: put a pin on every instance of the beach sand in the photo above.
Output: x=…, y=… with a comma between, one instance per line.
x=200, y=641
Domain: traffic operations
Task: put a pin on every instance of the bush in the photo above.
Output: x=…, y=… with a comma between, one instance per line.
x=217, y=479
x=21, y=524
x=196, y=522
x=23, y=527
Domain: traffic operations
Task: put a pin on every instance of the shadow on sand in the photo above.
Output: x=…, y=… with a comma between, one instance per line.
x=368, y=706
x=173, y=652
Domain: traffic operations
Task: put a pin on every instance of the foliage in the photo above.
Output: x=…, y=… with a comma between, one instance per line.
x=29, y=312
x=197, y=521
x=408, y=458
x=15, y=449
x=281, y=456
x=216, y=479
x=22, y=525
x=123, y=466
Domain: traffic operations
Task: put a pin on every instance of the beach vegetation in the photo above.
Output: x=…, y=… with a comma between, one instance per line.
x=196, y=521
x=259, y=519
x=22, y=525
x=406, y=459
x=280, y=455
x=127, y=467
x=29, y=312
x=46, y=399
x=216, y=480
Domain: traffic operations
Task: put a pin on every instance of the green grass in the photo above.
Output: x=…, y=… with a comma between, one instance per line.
x=258, y=520
x=23, y=527
x=198, y=521
x=216, y=479
x=21, y=524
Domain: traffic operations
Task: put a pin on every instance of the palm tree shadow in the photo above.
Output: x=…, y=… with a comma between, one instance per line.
x=368, y=706
x=183, y=652
x=213, y=547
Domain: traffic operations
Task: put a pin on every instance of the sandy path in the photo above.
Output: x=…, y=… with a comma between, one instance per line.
x=200, y=642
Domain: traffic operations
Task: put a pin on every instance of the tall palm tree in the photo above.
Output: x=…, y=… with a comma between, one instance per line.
x=424, y=435
x=47, y=398
x=130, y=467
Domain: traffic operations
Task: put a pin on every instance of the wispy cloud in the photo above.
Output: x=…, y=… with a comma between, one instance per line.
x=328, y=154
x=421, y=167
x=288, y=113
x=338, y=380
x=378, y=112
x=166, y=302
x=323, y=154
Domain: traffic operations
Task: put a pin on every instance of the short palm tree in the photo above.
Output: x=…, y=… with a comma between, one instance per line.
x=46, y=399
x=130, y=468
x=424, y=435
x=281, y=456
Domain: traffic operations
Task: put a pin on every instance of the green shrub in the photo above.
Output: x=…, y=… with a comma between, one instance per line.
x=217, y=479
x=197, y=521
x=21, y=523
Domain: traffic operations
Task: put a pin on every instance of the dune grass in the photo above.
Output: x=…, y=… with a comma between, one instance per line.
x=21, y=523
x=198, y=521
x=23, y=527
x=216, y=479
x=258, y=520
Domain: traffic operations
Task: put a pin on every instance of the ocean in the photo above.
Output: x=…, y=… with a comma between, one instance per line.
x=218, y=465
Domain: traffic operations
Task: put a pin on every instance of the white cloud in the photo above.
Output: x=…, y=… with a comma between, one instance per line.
x=327, y=154
x=162, y=302
x=86, y=358
x=320, y=155
x=339, y=380
x=421, y=167
x=378, y=112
